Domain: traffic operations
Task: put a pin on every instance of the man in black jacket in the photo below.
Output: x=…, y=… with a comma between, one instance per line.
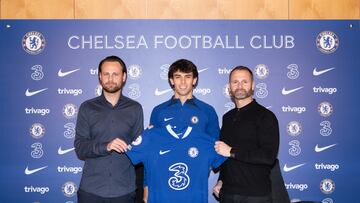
x=250, y=137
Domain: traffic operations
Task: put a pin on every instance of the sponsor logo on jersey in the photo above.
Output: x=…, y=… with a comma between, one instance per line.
x=69, y=189
x=37, y=130
x=69, y=111
x=33, y=42
x=327, y=90
x=35, y=189
x=325, y=109
x=134, y=72
x=296, y=186
x=261, y=71
x=327, y=186
x=293, y=128
x=324, y=166
x=295, y=109
x=327, y=42
x=162, y=152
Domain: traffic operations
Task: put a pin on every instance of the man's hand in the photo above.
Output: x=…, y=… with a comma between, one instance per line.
x=222, y=148
x=146, y=193
x=117, y=145
x=217, y=187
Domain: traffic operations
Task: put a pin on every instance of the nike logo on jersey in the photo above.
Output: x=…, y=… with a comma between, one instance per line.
x=167, y=119
x=320, y=149
x=28, y=93
x=161, y=92
x=63, y=74
x=287, y=169
x=61, y=151
x=29, y=172
x=164, y=152
x=317, y=73
x=286, y=92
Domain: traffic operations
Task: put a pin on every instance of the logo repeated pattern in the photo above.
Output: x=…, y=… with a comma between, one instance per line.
x=288, y=107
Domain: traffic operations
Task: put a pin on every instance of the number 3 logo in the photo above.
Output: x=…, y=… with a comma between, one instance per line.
x=180, y=180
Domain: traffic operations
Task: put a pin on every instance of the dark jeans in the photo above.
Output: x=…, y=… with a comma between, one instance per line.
x=85, y=197
x=233, y=198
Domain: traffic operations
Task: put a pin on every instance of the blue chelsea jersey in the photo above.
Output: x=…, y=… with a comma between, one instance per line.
x=177, y=163
x=193, y=112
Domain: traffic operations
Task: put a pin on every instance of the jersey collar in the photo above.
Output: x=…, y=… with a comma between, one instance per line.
x=171, y=131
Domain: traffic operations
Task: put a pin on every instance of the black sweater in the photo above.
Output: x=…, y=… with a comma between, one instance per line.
x=253, y=133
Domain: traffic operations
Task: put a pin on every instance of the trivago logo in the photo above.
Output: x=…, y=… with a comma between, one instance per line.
x=35, y=189
x=202, y=91
x=324, y=166
x=296, y=186
x=74, y=92
x=70, y=169
x=32, y=110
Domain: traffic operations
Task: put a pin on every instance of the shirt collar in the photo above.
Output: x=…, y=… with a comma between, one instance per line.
x=120, y=101
x=191, y=101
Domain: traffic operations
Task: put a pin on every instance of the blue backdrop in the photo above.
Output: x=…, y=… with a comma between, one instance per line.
x=306, y=73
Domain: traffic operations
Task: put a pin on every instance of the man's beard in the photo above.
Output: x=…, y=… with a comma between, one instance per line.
x=111, y=87
x=240, y=94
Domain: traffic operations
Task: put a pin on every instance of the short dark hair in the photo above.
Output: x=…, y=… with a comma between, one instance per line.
x=185, y=66
x=112, y=59
x=242, y=68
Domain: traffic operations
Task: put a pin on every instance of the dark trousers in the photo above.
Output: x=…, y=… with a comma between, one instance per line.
x=233, y=198
x=85, y=197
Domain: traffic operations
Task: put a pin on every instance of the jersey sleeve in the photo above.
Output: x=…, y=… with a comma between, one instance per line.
x=213, y=128
x=138, y=150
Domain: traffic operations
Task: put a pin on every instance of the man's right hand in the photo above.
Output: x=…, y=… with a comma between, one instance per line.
x=117, y=145
x=217, y=188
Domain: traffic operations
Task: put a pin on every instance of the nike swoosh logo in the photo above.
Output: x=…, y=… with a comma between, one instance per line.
x=287, y=169
x=161, y=92
x=167, y=119
x=61, y=151
x=202, y=70
x=320, y=149
x=28, y=93
x=29, y=172
x=63, y=74
x=164, y=152
x=286, y=92
x=317, y=73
